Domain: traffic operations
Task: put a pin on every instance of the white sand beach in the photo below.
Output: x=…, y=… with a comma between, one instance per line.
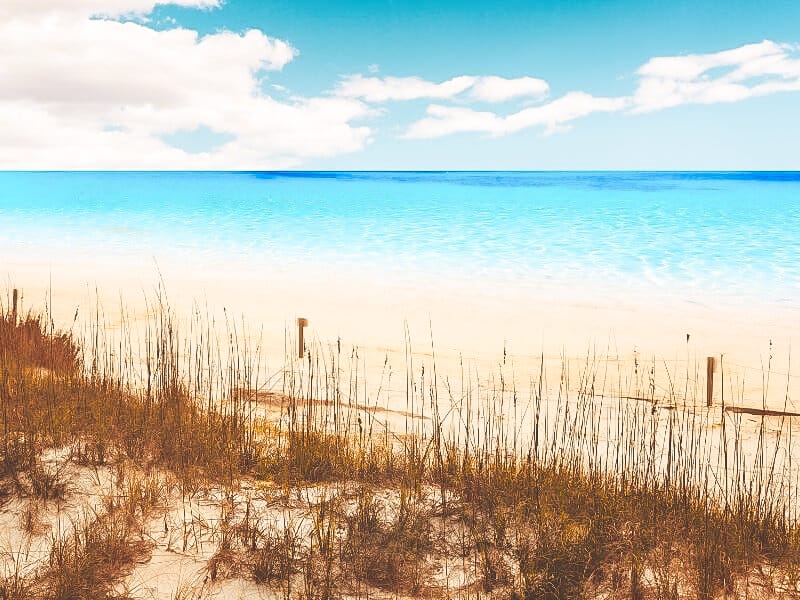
x=478, y=323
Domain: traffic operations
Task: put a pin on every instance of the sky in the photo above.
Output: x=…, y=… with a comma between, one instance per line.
x=263, y=84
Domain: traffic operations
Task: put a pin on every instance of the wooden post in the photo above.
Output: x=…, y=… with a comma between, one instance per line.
x=710, y=368
x=301, y=322
x=15, y=297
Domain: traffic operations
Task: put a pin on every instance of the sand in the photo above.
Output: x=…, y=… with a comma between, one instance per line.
x=480, y=325
x=494, y=332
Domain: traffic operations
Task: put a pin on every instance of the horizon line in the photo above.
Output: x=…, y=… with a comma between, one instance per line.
x=432, y=171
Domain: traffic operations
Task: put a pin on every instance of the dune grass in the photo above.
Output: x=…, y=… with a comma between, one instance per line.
x=569, y=493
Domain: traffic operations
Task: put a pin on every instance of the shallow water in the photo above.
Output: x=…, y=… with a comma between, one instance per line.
x=734, y=235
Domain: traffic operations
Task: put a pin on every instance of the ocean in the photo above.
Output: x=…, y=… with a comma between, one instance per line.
x=733, y=235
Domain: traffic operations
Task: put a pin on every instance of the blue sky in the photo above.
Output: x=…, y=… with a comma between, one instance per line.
x=333, y=83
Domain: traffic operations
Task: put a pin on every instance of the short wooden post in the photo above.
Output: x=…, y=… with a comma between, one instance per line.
x=301, y=322
x=710, y=368
x=15, y=297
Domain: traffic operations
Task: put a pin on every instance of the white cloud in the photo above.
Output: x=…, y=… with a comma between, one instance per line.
x=385, y=89
x=78, y=91
x=567, y=108
x=719, y=77
x=500, y=89
x=728, y=76
x=485, y=89
x=84, y=8
x=447, y=120
x=82, y=92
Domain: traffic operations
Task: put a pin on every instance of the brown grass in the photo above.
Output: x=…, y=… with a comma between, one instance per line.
x=89, y=559
x=561, y=514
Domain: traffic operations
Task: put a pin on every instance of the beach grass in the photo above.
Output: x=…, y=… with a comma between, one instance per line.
x=575, y=491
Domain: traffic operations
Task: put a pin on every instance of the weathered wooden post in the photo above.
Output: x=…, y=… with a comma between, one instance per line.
x=301, y=322
x=15, y=297
x=710, y=368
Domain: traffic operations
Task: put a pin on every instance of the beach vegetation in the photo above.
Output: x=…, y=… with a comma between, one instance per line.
x=590, y=494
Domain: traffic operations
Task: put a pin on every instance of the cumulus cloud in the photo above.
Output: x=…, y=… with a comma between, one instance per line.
x=385, y=89
x=555, y=115
x=485, y=89
x=99, y=8
x=82, y=85
x=500, y=89
x=86, y=92
x=728, y=76
x=663, y=82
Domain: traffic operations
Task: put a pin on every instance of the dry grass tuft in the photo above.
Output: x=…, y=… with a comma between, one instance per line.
x=87, y=561
x=596, y=499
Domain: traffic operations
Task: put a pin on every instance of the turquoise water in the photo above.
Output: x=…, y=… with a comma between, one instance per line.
x=732, y=233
